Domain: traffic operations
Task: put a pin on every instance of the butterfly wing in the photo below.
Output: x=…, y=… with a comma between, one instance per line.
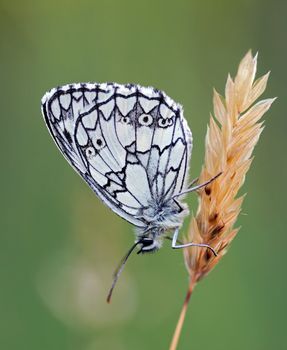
x=130, y=144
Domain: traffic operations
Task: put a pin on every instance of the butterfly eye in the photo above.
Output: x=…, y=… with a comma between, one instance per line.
x=126, y=120
x=145, y=119
x=99, y=144
x=90, y=152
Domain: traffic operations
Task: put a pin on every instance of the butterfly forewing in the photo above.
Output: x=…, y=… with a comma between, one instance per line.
x=130, y=144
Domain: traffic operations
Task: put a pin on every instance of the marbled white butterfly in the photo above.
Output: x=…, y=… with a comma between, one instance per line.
x=132, y=145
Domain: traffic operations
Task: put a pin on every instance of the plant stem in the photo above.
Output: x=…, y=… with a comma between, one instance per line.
x=180, y=321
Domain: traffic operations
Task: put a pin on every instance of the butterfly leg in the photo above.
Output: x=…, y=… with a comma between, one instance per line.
x=197, y=187
x=170, y=239
x=194, y=181
x=178, y=246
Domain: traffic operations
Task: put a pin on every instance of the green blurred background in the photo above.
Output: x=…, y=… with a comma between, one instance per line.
x=59, y=244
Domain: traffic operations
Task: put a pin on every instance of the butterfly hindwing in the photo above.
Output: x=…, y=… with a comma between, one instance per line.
x=130, y=144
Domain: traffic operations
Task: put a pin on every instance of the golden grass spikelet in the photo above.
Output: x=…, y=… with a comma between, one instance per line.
x=230, y=140
x=231, y=137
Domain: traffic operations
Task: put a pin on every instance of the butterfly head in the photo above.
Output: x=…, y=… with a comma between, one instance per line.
x=149, y=245
x=150, y=241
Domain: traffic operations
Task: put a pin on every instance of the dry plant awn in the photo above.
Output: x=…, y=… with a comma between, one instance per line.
x=231, y=137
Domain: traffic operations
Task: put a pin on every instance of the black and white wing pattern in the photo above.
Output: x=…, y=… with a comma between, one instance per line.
x=131, y=144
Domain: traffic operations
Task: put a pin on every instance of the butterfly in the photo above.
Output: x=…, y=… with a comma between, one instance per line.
x=132, y=145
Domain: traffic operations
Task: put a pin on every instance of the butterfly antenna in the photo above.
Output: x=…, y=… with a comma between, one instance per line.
x=119, y=269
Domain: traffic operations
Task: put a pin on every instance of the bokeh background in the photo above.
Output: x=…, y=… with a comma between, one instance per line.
x=59, y=244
